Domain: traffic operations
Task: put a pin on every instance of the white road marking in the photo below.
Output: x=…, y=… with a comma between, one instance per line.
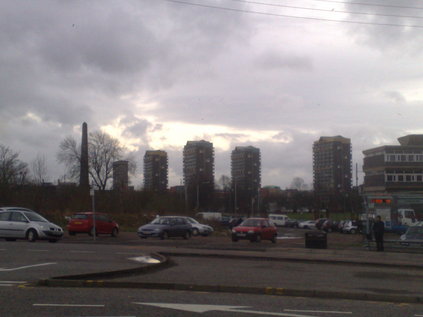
x=206, y=308
x=11, y=283
x=26, y=267
x=67, y=305
x=319, y=311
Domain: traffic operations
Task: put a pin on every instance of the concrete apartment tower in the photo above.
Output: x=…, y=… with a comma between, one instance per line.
x=332, y=172
x=246, y=179
x=120, y=175
x=198, y=163
x=83, y=175
x=155, y=171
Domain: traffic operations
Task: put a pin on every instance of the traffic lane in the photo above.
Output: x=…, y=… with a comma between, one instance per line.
x=21, y=260
x=135, y=302
x=287, y=237
x=293, y=275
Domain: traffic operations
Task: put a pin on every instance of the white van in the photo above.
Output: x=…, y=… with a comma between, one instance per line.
x=278, y=220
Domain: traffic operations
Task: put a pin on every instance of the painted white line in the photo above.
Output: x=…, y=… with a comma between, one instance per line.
x=76, y=251
x=6, y=285
x=194, y=308
x=319, y=311
x=67, y=305
x=26, y=267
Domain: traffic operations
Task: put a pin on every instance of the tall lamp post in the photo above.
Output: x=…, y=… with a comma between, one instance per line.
x=92, y=194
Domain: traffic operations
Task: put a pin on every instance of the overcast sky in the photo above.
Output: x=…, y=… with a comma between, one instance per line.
x=156, y=73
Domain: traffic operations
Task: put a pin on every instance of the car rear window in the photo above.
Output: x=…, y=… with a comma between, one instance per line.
x=79, y=216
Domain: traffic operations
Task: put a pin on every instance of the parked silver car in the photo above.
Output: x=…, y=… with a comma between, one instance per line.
x=199, y=228
x=22, y=223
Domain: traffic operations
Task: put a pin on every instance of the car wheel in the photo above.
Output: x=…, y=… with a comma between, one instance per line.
x=187, y=235
x=195, y=232
x=115, y=232
x=52, y=240
x=164, y=235
x=72, y=233
x=10, y=239
x=31, y=235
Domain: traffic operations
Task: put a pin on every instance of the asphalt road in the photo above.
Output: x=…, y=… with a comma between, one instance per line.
x=22, y=262
x=56, y=302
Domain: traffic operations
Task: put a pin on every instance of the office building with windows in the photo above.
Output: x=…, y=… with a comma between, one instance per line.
x=395, y=168
x=332, y=172
x=198, y=169
x=246, y=179
x=155, y=171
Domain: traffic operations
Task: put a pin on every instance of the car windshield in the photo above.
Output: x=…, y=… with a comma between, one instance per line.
x=251, y=223
x=33, y=216
x=193, y=221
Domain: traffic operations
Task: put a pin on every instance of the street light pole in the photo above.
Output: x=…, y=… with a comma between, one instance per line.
x=92, y=192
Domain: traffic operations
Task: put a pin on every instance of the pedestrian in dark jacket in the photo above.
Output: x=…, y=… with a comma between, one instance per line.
x=378, y=230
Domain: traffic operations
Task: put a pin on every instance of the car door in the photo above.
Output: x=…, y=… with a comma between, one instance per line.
x=4, y=223
x=100, y=223
x=18, y=225
x=108, y=224
x=267, y=230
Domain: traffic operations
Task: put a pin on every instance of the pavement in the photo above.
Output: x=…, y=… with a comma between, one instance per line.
x=398, y=276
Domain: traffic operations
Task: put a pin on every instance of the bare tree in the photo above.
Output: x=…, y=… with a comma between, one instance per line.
x=12, y=170
x=39, y=169
x=70, y=155
x=298, y=183
x=103, y=150
x=224, y=182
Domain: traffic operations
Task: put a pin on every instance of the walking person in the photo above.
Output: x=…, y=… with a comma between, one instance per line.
x=378, y=230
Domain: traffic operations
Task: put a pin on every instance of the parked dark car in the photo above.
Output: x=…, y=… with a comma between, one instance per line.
x=165, y=227
x=329, y=226
x=319, y=223
x=83, y=222
x=255, y=229
x=292, y=223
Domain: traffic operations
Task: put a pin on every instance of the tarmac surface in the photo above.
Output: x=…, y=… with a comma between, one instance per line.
x=214, y=265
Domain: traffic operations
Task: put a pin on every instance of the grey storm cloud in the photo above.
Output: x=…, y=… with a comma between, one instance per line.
x=145, y=65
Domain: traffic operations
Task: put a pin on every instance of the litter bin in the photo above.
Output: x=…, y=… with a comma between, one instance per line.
x=316, y=240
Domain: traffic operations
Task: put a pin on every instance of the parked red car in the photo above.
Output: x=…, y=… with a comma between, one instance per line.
x=255, y=229
x=83, y=223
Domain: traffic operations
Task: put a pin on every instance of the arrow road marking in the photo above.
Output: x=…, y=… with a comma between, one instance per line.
x=206, y=308
x=25, y=267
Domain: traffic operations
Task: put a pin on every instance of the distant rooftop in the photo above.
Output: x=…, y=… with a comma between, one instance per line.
x=411, y=139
